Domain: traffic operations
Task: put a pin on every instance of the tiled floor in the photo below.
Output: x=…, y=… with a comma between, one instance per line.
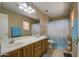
x=57, y=53
x=54, y=53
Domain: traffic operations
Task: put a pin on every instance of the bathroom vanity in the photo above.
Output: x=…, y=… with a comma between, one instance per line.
x=26, y=47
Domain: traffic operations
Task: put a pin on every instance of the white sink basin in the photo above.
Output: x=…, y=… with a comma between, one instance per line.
x=16, y=44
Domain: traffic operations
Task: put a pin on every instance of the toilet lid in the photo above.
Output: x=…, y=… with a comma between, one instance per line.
x=50, y=41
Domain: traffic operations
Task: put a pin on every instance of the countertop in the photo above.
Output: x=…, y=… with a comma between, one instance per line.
x=23, y=41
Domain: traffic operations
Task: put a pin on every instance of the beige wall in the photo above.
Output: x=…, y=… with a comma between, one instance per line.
x=43, y=20
x=73, y=15
x=43, y=23
x=78, y=27
x=16, y=20
x=0, y=6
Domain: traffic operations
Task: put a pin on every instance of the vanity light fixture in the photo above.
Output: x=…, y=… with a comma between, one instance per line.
x=29, y=8
x=26, y=8
x=21, y=7
x=29, y=12
x=24, y=5
x=33, y=10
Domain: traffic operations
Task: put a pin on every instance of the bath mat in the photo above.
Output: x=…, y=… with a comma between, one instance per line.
x=67, y=55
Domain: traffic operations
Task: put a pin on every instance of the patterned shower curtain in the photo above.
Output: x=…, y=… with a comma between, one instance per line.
x=57, y=31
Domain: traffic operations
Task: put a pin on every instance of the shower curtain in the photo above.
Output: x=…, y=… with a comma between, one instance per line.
x=57, y=31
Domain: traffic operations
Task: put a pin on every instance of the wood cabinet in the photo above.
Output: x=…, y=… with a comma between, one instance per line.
x=44, y=45
x=32, y=50
x=16, y=53
x=28, y=51
x=38, y=43
x=37, y=49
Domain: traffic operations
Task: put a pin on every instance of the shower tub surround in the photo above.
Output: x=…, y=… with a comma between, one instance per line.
x=19, y=43
x=58, y=34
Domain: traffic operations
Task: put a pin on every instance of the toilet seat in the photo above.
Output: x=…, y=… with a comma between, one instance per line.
x=51, y=41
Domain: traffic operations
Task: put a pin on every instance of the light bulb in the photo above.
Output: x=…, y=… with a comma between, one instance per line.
x=26, y=10
x=24, y=4
x=29, y=12
x=29, y=8
x=21, y=7
x=33, y=10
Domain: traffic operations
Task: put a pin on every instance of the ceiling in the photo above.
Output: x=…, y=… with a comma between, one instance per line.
x=54, y=8
x=13, y=7
x=0, y=4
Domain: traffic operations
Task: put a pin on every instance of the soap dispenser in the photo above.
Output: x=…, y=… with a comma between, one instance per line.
x=5, y=39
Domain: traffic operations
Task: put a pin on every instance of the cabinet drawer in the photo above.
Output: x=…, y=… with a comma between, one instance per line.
x=37, y=54
x=36, y=44
x=37, y=51
x=46, y=44
x=16, y=53
x=28, y=51
x=43, y=46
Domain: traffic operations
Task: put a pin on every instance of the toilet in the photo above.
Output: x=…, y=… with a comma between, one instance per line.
x=51, y=42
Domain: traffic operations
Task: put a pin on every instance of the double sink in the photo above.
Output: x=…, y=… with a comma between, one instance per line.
x=21, y=42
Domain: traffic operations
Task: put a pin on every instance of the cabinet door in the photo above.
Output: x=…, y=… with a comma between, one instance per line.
x=28, y=51
x=46, y=44
x=43, y=46
x=37, y=49
x=17, y=53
